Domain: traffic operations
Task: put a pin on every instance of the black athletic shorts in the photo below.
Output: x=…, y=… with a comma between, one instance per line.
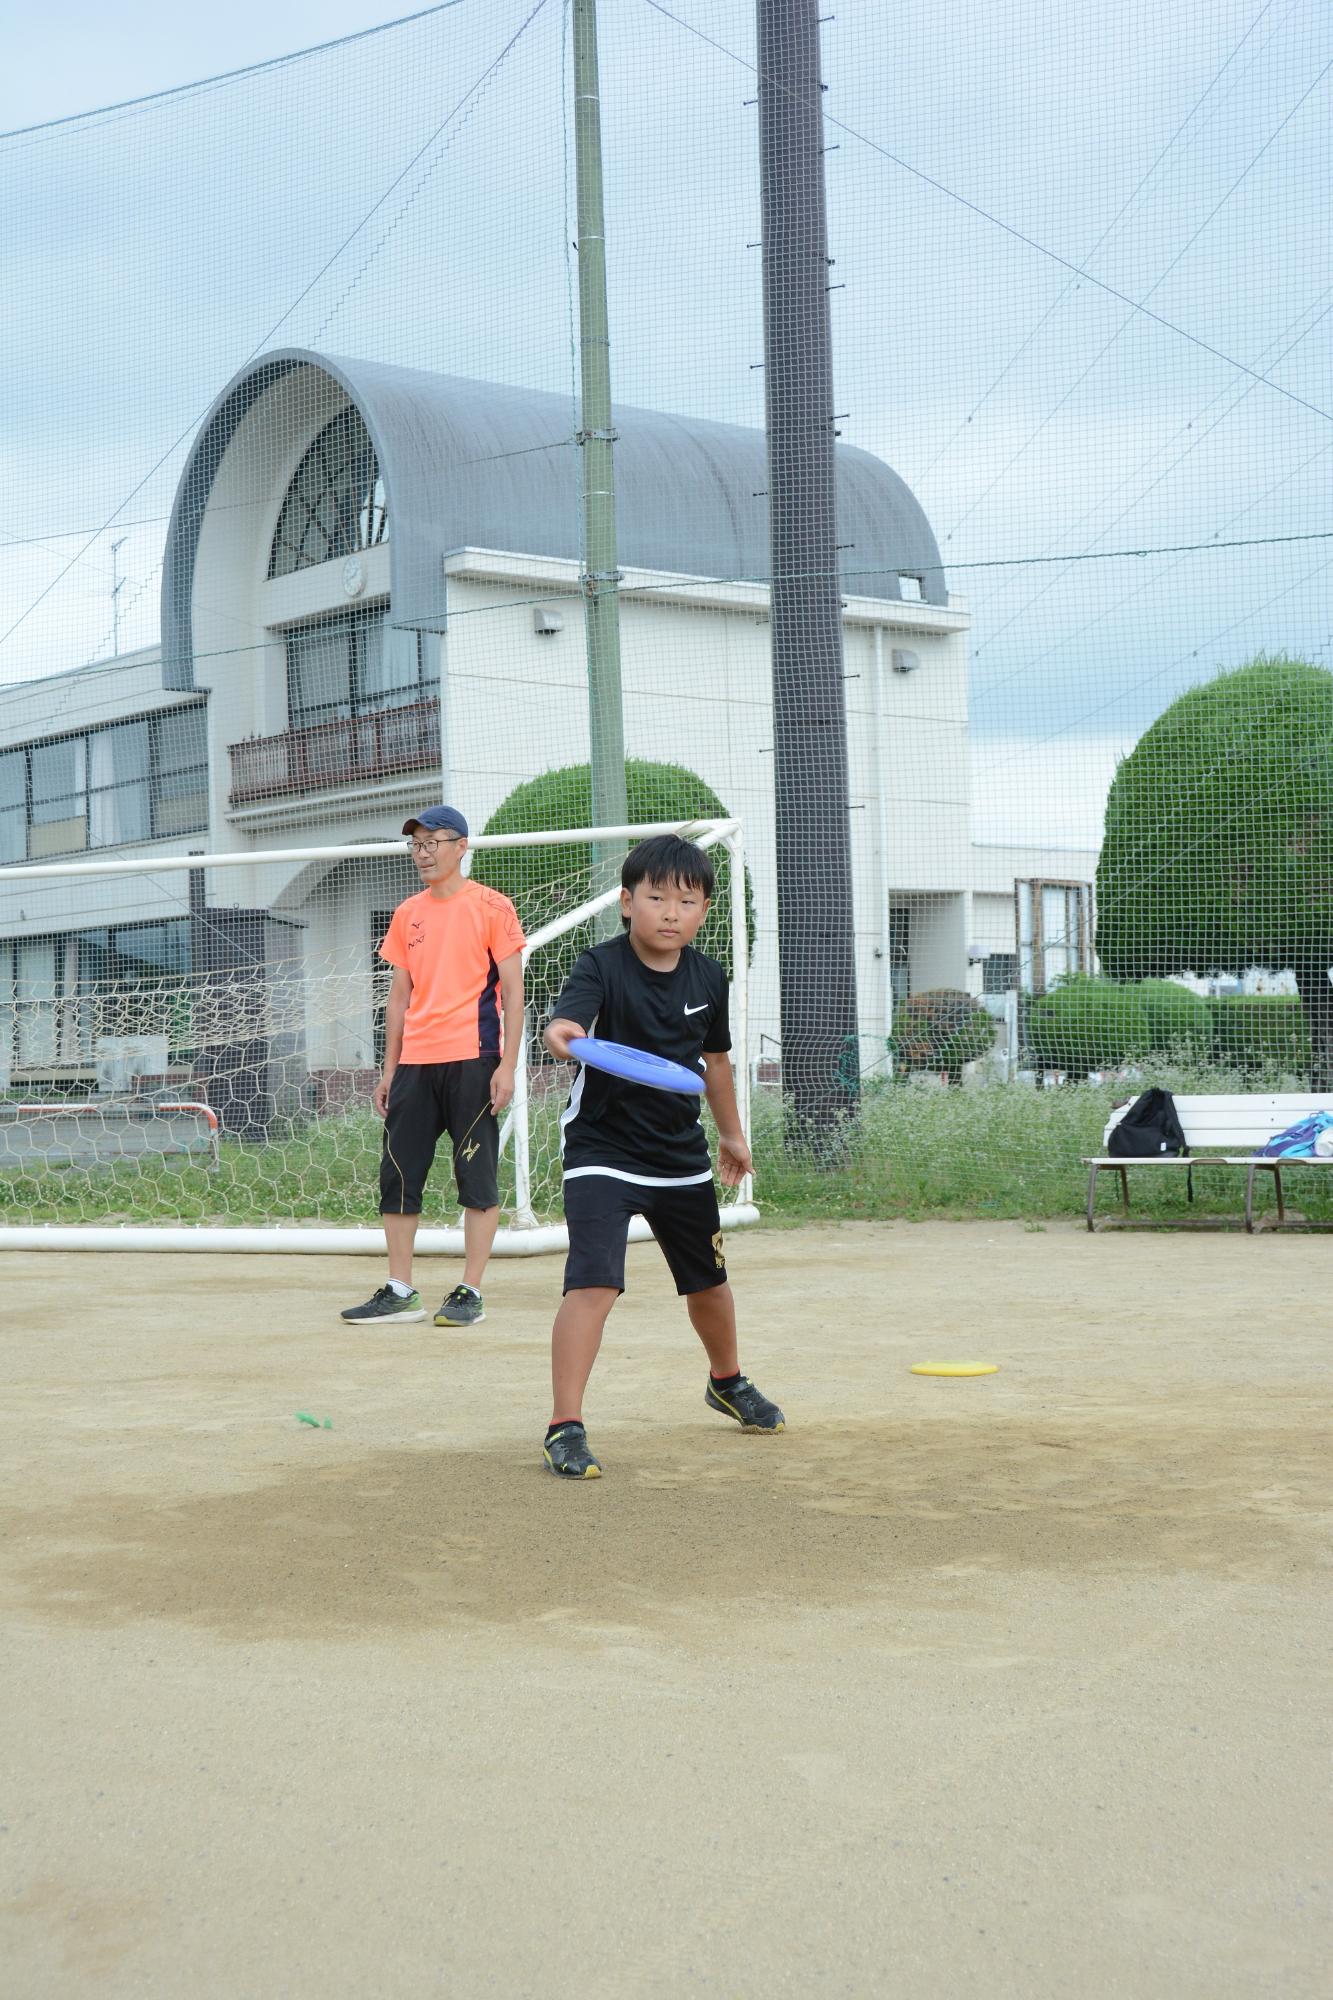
x=684, y=1220
x=426, y=1100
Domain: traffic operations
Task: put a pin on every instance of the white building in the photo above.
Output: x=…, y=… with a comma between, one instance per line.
x=371, y=601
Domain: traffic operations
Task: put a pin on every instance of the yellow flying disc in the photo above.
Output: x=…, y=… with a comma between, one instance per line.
x=955, y=1367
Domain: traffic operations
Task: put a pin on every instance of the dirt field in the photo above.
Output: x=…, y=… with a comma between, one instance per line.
x=1008, y=1687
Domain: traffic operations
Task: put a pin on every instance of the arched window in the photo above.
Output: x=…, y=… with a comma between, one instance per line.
x=335, y=505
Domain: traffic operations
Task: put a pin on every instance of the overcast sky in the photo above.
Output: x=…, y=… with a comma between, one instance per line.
x=406, y=196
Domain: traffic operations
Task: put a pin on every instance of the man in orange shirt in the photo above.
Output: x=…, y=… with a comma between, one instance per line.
x=456, y=952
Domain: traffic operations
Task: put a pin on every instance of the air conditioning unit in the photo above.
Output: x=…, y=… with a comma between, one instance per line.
x=905, y=662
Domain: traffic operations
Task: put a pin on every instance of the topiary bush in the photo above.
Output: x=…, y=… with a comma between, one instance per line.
x=545, y=882
x=1085, y=1024
x=1180, y=1023
x=941, y=1030
x=1261, y=1032
x=1218, y=850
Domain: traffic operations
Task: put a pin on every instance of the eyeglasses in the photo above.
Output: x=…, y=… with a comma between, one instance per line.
x=429, y=846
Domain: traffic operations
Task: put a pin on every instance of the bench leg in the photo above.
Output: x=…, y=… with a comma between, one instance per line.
x=1277, y=1189
x=1124, y=1190
x=1092, y=1196
x=1249, y=1201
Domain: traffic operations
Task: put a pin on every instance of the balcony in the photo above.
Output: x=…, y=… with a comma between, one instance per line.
x=335, y=757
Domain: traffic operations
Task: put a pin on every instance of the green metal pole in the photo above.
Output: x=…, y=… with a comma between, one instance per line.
x=601, y=576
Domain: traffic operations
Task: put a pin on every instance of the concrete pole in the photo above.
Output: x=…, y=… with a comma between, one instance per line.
x=601, y=576
x=816, y=938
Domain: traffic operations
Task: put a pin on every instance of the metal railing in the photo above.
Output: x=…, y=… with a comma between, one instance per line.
x=326, y=756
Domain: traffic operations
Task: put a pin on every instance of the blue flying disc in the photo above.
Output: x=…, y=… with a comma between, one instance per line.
x=636, y=1065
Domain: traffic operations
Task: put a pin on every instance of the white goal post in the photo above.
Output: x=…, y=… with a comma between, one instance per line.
x=220, y=1100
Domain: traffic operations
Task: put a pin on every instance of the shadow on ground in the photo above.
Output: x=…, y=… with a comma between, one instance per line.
x=688, y=1527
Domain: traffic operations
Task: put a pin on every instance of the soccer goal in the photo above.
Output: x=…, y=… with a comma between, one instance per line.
x=188, y=1043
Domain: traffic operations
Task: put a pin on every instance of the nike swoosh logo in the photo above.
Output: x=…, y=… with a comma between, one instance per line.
x=697, y=1010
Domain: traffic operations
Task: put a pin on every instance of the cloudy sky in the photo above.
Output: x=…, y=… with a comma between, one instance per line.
x=1086, y=297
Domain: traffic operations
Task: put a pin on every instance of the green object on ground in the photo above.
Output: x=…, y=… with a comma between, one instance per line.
x=303, y=1417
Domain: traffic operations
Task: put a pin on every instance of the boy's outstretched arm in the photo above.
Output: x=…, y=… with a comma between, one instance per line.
x=733, y=1152
x=559, y=1035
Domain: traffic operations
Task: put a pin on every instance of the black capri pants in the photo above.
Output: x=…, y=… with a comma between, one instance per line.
x=427, y=1100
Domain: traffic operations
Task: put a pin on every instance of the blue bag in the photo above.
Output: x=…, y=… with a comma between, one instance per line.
x=1296, y=1141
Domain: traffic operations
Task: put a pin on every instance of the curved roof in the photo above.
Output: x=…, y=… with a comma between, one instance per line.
x=480, y=465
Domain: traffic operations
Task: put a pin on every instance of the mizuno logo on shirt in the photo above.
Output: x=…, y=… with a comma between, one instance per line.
x=697, y=1010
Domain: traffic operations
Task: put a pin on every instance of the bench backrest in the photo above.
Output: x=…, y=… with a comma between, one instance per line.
x=1242, y=1121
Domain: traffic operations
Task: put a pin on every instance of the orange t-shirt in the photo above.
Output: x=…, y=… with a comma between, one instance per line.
x=453, y=947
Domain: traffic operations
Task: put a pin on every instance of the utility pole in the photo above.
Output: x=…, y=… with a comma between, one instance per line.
x=600, y=575
x=816, y=937
x=117, y=585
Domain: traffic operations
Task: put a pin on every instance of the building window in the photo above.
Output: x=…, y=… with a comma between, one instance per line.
x=13, y=806
x=110, y=787
x=348, y=666
x=132, y=979
x=1054, y=932
x=336, y=504
x=180, y=771
x=119, y=785
x=59, y=786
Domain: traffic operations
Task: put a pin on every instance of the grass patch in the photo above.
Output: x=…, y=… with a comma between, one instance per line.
x=998, y=1153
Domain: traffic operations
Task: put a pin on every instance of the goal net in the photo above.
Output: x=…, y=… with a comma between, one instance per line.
x=188, y=1052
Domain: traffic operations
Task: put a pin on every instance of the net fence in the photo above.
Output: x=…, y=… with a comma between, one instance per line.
x=297, y=526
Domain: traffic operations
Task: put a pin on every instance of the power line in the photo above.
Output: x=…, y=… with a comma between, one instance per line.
x=1019, y=235
x=258, y=349
x=1105, y=236
x=228, y=75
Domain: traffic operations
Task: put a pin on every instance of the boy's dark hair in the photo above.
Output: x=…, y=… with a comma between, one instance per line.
x=667, y=858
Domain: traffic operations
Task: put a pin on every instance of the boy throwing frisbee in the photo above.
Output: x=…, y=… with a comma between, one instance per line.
x=629, y=1149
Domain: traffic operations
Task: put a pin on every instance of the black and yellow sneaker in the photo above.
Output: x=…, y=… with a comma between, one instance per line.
x=463, y=1307
x=739, y=1398
x=386, y=1305
x=566, y=1452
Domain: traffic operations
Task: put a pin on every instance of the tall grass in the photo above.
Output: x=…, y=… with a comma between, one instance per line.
x=996, y=1151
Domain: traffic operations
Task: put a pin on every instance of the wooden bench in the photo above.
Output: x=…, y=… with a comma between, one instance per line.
x=1220, y=1131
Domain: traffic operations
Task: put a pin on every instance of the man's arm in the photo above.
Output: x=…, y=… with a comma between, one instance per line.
x=733, y=1154
x=511, y=999
x=400, y=992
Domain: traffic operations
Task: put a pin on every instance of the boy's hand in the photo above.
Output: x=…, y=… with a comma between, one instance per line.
x=559, y=1035
x=733, y=1161
x=380, y=1100
x=502, y=1086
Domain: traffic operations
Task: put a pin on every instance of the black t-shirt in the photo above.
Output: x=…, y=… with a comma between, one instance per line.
x=628, y=1129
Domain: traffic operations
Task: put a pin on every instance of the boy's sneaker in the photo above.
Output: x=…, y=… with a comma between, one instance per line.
x=463, y=1307
x=566, y=1452
x=387, y=1305
x=743, y=1401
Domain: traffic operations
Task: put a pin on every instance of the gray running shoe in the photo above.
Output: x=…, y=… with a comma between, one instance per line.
x=463, y=1307
x=752, y=1411
x=387, y=1305
x=566, y=1452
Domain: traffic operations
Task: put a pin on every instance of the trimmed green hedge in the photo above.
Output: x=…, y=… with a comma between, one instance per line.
x=1085, y=1024
x=1089, y=1024
x=1261, y=1031
x=543, y=882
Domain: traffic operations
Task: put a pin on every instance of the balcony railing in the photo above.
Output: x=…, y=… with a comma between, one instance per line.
x=328, y=756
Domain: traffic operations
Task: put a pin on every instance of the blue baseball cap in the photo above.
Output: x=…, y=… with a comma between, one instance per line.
x=438, y=819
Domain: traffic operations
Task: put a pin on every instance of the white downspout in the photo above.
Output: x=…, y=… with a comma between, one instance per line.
x=882, y=790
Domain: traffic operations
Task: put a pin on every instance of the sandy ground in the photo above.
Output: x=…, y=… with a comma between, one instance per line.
x=1008, y=1687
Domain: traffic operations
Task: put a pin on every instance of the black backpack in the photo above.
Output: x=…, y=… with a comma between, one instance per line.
x=1149, y=1128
